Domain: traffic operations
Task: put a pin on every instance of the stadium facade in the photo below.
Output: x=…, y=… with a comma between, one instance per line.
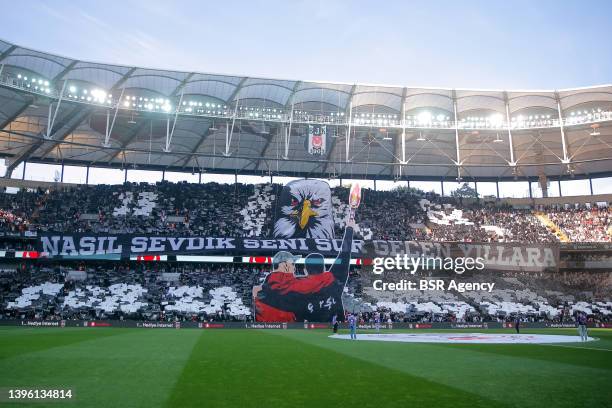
x=64, y=111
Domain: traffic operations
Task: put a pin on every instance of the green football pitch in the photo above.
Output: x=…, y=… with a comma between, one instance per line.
x=118, y=368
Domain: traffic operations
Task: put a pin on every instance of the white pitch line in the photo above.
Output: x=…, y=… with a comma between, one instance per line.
x=577, y=347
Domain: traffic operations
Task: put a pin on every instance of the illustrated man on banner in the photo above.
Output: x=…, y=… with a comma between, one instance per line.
x=283, y=297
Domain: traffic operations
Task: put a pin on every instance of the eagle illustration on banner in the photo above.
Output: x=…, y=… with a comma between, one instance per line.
x=304, y=210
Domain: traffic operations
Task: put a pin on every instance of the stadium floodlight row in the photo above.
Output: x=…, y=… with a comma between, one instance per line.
x=61, y=110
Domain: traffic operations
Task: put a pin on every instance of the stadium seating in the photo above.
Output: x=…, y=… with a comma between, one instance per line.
x=583, y=224
x=248, y=210
x=209, y=292
x=218, y=292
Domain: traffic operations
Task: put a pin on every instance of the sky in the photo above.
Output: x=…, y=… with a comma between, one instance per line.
x=457, y=44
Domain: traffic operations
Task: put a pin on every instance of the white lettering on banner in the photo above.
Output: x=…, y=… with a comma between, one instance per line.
x=303, y=244
x=100, y=249
x=139, y=244
x=287, y=244
x=323, y=244
x=496, y=256
x=176, y=243
x=69, y=248
x=155, y=244
x=50, y=244
x=88, y=245
x=194, y=244
x=65, y=245
x=413, y=255
x=268, y=244
x=251, y=243
x=111, y=248
x=412, y=248
x=158, y=244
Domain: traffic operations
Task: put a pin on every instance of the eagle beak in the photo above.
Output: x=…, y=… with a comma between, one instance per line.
x=307, y=212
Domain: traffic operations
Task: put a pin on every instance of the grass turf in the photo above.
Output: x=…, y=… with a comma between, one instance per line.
x=299, y=368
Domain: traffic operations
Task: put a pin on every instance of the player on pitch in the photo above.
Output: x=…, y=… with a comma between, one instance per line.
x=352, y=321
x=582, y=328
x=377, y=321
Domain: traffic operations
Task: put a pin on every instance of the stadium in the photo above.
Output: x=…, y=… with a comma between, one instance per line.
x=182, y=238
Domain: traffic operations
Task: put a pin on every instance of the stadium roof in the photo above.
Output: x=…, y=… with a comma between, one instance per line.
x=55, y=109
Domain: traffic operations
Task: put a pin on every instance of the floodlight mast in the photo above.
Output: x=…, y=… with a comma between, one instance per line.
x=109, y=129
x=170, y=133
x=348, y=134
x=288, y=133
x=228, y=133
x=51, y=120
x=511, y=144
x=565, y=160
x=458, y=162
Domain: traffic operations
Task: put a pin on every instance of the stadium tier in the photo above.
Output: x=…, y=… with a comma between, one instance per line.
x=209, y=293
x=240, y=210
x=218, y=287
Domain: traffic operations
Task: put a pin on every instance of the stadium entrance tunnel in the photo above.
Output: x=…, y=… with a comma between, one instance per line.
x=466, y=338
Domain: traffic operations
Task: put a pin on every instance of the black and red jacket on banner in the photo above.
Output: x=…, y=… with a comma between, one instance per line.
x=316, y=297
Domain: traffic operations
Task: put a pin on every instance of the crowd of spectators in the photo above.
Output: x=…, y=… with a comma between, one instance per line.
x=145, y=292
x=491, y=224
x=389, y=215
x=222, y=292
x=222, y=210
x=583, y=224
x=533, y=297
x=207, y=292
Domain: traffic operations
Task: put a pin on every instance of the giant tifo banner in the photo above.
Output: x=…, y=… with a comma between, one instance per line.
x=496, y=256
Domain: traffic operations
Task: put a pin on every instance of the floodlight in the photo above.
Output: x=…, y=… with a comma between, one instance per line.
x=496, y=119
x=424, y=117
